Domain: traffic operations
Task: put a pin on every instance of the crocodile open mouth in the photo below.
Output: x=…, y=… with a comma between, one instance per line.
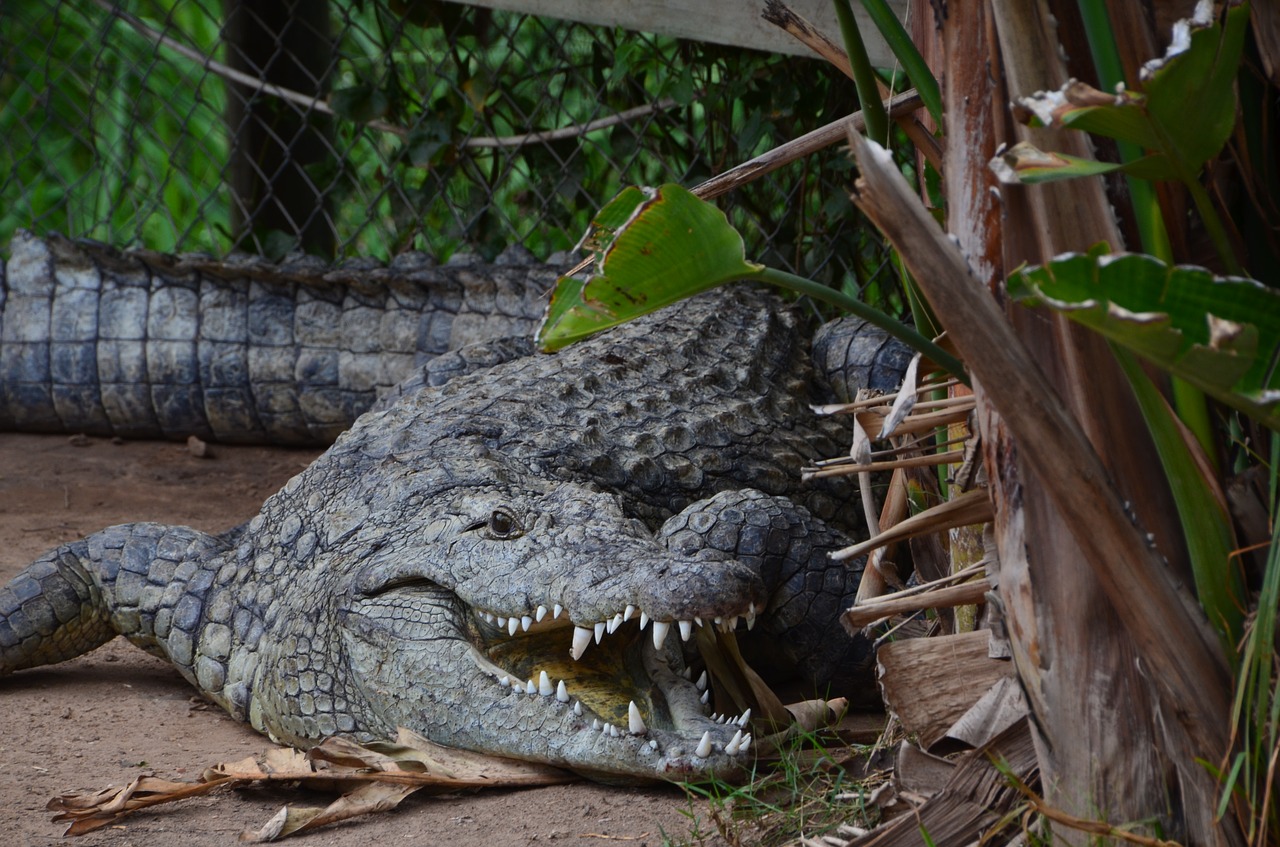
x=627, y=675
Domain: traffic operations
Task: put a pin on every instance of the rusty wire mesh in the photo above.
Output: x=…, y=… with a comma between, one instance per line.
x=367, y=128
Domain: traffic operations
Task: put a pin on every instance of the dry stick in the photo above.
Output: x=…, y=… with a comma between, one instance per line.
x=866, y=614
x=1185, y=662
x=911, y=462
x=795, y=25
x=312, y=101
x=971, y=507
x=810, y=142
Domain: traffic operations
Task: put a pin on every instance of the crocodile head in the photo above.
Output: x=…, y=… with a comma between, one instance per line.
x=498, y=611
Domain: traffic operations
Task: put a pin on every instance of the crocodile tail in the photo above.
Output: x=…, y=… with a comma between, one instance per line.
x=115, y=582
x=143, y=345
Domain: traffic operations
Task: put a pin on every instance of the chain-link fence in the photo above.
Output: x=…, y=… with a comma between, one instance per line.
x=367, y=127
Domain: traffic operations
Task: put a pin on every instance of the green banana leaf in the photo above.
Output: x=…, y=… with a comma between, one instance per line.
x=1221, y=334
x=1182, y=114
x=651, y=247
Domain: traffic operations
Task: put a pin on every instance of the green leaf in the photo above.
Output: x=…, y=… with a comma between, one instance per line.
x=359, y=103
x=1221, y=334
x=1201, y=504
x=651, y=248
x=1185, y=110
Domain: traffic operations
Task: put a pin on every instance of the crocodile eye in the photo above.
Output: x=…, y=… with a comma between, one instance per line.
x=501, y=525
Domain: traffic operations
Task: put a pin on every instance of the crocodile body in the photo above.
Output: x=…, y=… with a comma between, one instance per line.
x=144, y=345
x=519, y=560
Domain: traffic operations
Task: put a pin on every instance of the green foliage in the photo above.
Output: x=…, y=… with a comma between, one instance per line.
x=1217, y=333
x=652, y=248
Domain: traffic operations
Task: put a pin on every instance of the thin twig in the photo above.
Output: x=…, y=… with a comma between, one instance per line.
x=810, y=142
x=910, y=462
x=319, y=104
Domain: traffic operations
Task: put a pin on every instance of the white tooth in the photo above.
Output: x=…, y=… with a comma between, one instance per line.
x=751, y=610
x=581, y=638
x=687, y=673
x=697, y=620
x=504, y=681
x=702, y=682
x=732, y=624
x=614, y=623
x=530, y=688
x=732, y=746
x=706, y=697
x=555, y=612
x=653, y=744
x=660, y=629
x=600, y=628
x=628, y=612
x=704, y=746
x=540, y=613
x=635, y=723
x=644, y=619
x=746, y=742
x=562, y=693
x=595, y=724
x=577, y=708
x=746, y=716
x=545, y=688
x=686, y=630
x=715, y=716
x=719, y=621
x=614, y=732
x=526, y=622
x=513, y=624
x=502, y=621
x=485, y=616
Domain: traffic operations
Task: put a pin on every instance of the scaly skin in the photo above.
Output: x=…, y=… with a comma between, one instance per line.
x=368, y=593
x=143, y=345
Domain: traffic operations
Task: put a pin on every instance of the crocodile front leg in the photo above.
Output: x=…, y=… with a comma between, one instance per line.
x=145, y=581
x=789, y=548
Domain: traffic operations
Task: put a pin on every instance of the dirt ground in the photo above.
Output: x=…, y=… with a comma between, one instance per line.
x=107, y=717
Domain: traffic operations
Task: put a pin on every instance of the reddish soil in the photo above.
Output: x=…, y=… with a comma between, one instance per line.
x=105, y=718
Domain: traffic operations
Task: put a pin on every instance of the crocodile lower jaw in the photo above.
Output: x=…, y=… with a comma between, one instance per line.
x=630, y=685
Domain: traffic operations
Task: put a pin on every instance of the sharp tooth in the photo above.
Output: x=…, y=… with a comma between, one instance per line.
x=745, y=743
x=581, y=638
x=614, y=623
x=660, y=629
x=628, y=612
x=600, y=628
x=545, y=688
x=697, y=620
x=513, y=624
x=732, y=624
x=635, y=723
x=732, y=746
x=704, y=746
x=540, y=613
x=555, y=612
x=504, y=681
x=614, y=732
x=562, y=693
x=530, y=688
x=751, y=615
x=719, y=621
x=653, y=744
x=686, y=630
x=485, y=616
x=706, y=697
x=644, y=619
x=745, y=716
x=702, y=682
x=595, y=724
x=577, y=708
x=687, y=673
x=526, y=622
x=715, y=716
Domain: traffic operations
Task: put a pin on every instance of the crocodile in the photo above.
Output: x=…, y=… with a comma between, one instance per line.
x=514, y=553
